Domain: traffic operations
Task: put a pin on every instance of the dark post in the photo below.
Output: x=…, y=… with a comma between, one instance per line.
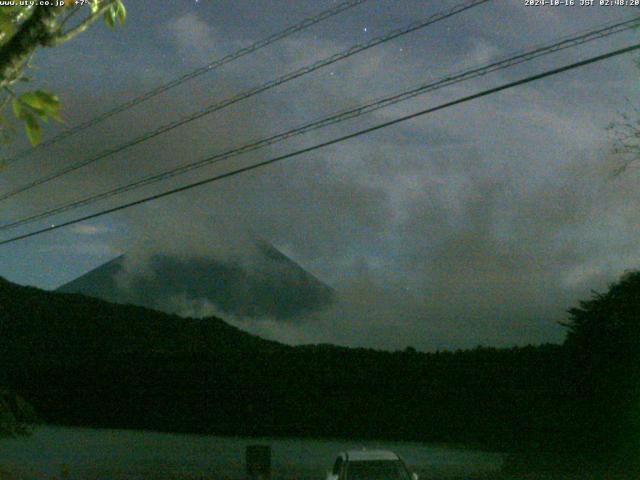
x=258, y=459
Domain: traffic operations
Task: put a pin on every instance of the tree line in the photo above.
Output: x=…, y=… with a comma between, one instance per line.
x=82, y=361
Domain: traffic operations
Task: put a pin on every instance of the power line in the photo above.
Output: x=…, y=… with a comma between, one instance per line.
x=250, y=93
x=515, y=59
x=265, y=42
x=318, y=146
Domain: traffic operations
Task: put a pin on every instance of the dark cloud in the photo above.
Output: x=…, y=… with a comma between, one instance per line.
x=479, y=224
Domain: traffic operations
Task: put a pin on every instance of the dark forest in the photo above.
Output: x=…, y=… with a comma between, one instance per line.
x=82, y=361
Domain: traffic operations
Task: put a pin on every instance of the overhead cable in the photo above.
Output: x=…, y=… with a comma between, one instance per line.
x=334, y=141
x=507, y=62
x=304, y=24
x=247, y=94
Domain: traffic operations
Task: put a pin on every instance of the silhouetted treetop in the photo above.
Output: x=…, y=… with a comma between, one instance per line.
x=608, y=322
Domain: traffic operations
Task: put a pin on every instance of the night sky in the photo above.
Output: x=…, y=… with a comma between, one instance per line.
x=480, y=224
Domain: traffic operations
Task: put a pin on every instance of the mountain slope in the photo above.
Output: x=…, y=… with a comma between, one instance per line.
x=39, y=321
x=272, y=286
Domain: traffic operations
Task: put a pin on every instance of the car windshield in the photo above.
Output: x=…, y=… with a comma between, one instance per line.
x=377, y=470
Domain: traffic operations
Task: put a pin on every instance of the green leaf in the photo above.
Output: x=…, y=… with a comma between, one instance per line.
x=43, y=103
x=115, y=13
x=110, y=16
x=108, y=19
x=40, y=100
x=18, y=111
x=32, y=127
x=122, y=12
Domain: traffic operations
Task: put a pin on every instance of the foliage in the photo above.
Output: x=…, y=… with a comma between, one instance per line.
x=604, y=342
x=87, y=362
x=609, y=323
x=30, y=106
x=24, y=29
x=17, y=417
x=625, y=135
x=82, y=361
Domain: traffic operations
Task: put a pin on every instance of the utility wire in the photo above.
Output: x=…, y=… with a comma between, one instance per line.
x=265, y=42
x=318, y=146
x=515, y=59
x=249, y=93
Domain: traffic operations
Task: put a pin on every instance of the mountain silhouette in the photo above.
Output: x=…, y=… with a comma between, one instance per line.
x=271, y=286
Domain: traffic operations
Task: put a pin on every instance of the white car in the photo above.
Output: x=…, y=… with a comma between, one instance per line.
x=370, y=465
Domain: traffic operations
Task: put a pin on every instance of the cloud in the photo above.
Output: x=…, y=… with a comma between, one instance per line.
x=482, y=223
x=197, y=38
x=84, y=229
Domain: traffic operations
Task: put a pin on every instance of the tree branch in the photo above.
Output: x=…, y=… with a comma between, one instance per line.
x=66, y=19
x=20, y=17
x=36, y=31
x=81, y=27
